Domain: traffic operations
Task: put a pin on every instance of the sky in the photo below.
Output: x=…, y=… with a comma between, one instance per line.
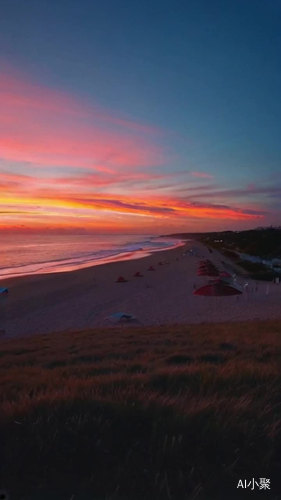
x=136, y=117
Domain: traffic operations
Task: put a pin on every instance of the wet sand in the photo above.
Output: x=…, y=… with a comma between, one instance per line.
x=87, y=297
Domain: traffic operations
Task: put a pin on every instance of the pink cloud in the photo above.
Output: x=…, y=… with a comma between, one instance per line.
x=51, y=147
x=47, y=128
x=18, y=91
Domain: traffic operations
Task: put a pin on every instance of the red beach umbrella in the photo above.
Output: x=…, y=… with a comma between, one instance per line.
x=121, y=279
x=207, y=273
x=216, y=289
x=138, y=275
x=207, y=268
x=207, y=264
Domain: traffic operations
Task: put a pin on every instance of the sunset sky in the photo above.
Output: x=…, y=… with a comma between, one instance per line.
x=140, y=116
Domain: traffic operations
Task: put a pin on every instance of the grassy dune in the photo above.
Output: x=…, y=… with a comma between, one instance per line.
x=168, y=413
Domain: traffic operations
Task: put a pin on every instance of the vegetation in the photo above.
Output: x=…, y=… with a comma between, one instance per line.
x=253, y=267
x=230, y=254
x=257, y=271
x=264, y=242
x=168, y=413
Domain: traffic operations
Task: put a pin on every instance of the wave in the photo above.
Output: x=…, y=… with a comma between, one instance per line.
x=85, y=259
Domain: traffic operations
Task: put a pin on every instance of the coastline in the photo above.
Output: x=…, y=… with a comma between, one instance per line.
x=85, y=298
x=76, y=262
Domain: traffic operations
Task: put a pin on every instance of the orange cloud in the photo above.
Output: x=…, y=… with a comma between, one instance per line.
x=88, y=205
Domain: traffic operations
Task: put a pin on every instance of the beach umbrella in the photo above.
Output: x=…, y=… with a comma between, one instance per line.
x=151, y=268
x=121, y=279
x=207, y=265
x=207, y=268
x=207, y=273
x=206, y=262
x=138, y=275
x=229, y=282
x=4, y=291
x=217, y=288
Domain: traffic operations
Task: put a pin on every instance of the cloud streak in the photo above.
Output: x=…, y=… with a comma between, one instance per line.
x=201, y=175
x=240, y=192
x=67, y=162
x=47, y=128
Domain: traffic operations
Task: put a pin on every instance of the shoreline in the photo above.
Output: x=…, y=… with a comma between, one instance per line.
x=85, y=298
x=119, y=257
x=33, y=300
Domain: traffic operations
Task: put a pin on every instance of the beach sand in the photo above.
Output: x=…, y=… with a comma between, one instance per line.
x=85, y=298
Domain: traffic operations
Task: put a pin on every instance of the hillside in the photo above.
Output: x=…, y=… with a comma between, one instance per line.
x=168, y=413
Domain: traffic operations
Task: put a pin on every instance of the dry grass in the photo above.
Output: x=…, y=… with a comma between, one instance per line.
x=168, y=413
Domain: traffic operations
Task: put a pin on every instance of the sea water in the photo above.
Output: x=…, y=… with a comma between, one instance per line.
x=49, y=253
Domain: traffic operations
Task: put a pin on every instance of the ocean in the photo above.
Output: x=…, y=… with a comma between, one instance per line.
x=39, y=254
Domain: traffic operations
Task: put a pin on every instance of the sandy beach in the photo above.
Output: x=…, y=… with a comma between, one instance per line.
x=86, y=298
